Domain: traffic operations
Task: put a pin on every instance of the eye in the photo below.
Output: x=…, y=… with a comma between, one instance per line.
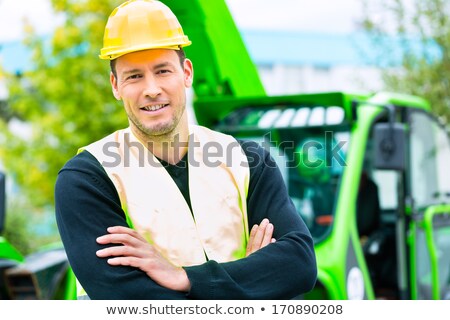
x=134, y=76
x=163, y=71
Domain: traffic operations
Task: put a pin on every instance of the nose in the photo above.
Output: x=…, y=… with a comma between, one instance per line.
x=152, y=87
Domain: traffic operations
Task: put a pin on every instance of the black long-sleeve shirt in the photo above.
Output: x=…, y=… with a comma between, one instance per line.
x=87, y=204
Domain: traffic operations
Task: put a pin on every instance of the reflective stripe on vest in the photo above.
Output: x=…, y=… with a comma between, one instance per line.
x=154, y=206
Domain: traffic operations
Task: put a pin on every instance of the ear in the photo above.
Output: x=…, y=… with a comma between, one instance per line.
x=188, y=73
x=114, y=87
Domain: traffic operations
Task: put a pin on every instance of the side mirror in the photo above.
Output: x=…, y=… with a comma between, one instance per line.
x=2, y=201
x=389, y=146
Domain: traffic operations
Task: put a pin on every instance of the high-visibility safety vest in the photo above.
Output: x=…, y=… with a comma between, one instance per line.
x=217, y=227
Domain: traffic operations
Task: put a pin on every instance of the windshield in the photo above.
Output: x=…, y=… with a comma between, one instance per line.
x=309, y=145
x=311, y=162
x=318, y=160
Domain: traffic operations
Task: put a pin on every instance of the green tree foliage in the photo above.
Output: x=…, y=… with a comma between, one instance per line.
x=422, y=28
x=28, y=233
x=65, y=99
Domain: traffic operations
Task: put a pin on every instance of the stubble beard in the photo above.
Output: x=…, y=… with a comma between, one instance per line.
x=159, y=131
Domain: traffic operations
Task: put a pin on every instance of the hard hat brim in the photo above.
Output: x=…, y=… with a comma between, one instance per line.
x=114, y=54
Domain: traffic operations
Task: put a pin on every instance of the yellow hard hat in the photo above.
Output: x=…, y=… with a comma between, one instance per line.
x=141, y=25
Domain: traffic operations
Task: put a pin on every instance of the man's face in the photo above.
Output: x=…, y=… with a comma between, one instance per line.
x=152, y=85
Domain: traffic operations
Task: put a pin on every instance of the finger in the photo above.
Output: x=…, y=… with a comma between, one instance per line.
x=118, y=251
x=252, y=233
x=119, y=238
x=125, y=230
x=251, y=239
x=125, y=261
x=267, y=235
x=259, y=235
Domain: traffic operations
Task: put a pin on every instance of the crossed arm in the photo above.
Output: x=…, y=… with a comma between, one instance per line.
x=87, y=205
x=136, y=252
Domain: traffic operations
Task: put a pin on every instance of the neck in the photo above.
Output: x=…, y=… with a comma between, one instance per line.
x=170, y=147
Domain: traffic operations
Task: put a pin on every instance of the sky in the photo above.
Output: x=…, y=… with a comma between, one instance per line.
x=327, y=16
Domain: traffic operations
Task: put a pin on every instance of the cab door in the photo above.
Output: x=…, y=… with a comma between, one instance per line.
x=429, y=183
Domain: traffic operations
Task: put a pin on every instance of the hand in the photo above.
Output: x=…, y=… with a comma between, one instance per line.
x=260, y=236
x=135, y=251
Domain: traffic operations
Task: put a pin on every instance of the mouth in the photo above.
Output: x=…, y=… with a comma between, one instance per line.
x=154, y=107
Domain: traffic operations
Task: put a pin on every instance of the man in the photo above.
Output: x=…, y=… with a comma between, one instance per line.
x=144, y=214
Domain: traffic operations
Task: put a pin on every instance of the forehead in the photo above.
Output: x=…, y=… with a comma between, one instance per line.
x=147, y=58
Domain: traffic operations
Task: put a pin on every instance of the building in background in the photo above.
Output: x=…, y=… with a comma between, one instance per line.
x=302, y=62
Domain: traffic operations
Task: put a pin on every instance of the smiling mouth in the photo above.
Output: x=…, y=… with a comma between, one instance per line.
x=154, y=107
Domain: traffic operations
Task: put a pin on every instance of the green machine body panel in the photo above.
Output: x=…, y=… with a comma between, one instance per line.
x=7, y=251
x=222, y=65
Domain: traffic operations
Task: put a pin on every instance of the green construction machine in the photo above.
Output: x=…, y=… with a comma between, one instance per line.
x=366, y=172
x=45, y=274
